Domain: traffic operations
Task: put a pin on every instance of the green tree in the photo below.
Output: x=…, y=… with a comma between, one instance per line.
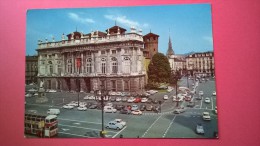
x=159, y=70
x=174, y=78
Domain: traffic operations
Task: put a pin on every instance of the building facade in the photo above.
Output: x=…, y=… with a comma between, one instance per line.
x=201, y=64
x=113, y=59
x=31, y=69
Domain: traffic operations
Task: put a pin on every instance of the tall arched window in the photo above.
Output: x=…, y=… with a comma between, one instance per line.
x=103, y=65
x=89, y=65
x=126, y=65
x=69, y=66
x=50, y=67
x=114, y=65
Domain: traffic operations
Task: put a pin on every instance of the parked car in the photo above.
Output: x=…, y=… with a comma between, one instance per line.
x=28, y=95
x=165, y=97
x=157, y=108
x=124, y=99
x=109, y=109
x=149, y=107
x=191, y=104
x=93, y=106
x=129, y=107
x=82, y=108
x=199, y=129
x=114, y=125
x=53, y=111
x=119, y=107
x=207, y=100
x=137, y=112
x=125, y=111
x=134, y=107
x=144, y=100
x=206, y=116
x=216, y=110
x=109, y=104
x=142, y=107
x=137, y=100
x=131, y=99
x=201, y=93
x=155, y=101
x=120, y=121
x=112, y=99
x=68, y=106
x=198, y=98
x=149, y=100
x=214, y=93
x=118, y=99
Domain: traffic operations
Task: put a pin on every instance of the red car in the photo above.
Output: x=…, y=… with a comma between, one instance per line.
x=129, y=107
x=137, y=99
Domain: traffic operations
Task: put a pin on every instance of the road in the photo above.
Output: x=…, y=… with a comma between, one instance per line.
x=87, y=124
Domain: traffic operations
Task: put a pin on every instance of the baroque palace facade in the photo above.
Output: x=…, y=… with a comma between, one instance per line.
x=113, y=59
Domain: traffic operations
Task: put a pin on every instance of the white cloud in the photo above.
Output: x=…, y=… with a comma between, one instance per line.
x=125, y=21
x=77, y=18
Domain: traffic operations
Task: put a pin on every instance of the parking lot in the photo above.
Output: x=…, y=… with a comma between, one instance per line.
x=151, y=124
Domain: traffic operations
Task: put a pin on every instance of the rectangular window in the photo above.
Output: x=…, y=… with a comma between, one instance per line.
x=113, y=51
x=103, y=52
x=113, y=85
x=88, y=53
x=114, y=67
x=103, y=68
x=126, y=85
x=59, y=69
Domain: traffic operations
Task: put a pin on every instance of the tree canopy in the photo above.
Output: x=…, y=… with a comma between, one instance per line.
x=159, y=70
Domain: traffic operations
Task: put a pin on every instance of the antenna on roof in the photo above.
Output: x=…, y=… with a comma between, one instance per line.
x=115, y=22
x=76, y=28
x=150, y=30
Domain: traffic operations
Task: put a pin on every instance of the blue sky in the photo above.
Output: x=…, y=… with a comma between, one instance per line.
x=189, y=26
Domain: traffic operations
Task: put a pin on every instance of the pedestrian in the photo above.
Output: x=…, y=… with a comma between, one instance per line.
x=121, y=136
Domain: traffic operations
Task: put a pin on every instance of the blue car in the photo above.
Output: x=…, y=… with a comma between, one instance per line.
x=134, y=107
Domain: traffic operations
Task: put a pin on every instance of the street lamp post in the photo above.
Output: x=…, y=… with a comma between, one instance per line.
x=102, y=133
x=78, y=87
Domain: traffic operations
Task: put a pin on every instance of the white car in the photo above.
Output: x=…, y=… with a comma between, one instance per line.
x=201, y=93
x=68, y=106
x=28, y=95
x=52, y=91
x=118, y=99
x=165, y=97
x=169, y=90
x=120, y=121
x=179, y=110
x=199, y=129
x=114, y=125
x=131, y=99
x=214, y=93
x=144, y=100
x=207, y=100
x=206, y=116
x=82, y=108
x=137, y=112
x=109, y=109
x=32, y=90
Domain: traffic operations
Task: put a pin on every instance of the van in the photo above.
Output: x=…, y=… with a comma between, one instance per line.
x=53, y=111
x=109, y=109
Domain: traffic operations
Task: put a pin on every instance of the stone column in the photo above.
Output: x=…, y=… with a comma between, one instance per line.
x=72, y=62
x=82, y=62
